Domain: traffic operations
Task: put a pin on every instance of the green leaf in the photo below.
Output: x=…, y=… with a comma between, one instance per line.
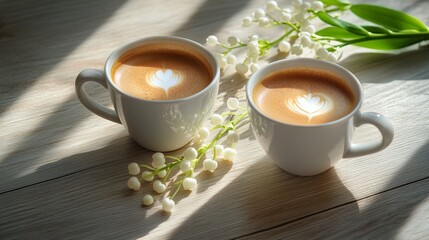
x=376, y=29
x=388, y=18
x=338, y=33
x=356, y=29
x=388, y=44
x=338, y=3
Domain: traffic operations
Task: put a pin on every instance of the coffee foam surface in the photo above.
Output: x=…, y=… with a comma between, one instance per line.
x=161, y=72
x=304, y=96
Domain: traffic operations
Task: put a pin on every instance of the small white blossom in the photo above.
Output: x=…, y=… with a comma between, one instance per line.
x=133, y=169
x=219, y=150
x=233, y=41
x=209, y=165
x=296, y=49
x=167, y=205
x=147, y=176
x=331, y=58
x=133, y=183
x=185, y=165
x=253, y=37
x=286, y=10
x=259, y=13
x=233, y=103
x=232, y=137
x=147, y=200
x=162, y=173
x=322, y=53
x=222, y=62
x=158, y=159
x=229, y=154
x=253, y=46
x=296, y=3
x=305, y=41
x=190, y=153
x=317, y=6
x=286, y=17
x=241, y=68
x=263, y=21
x=204, y=133
x=305, y=6
x=159, y=187
x=310, y=29
x=189, y=184
x=216, y=119
x=284, y=46
x=231, y=59
x=271, y=6
x=254, y=67
x=211, y=41
x=246, y=22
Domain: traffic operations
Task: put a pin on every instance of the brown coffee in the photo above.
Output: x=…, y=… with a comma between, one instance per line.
x=162, y=72
x=304, y=96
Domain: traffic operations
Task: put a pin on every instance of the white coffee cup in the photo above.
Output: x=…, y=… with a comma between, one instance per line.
x=313, y=149
x=158, y=125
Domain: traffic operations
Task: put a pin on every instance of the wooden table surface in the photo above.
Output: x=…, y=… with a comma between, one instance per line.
x=63, y=170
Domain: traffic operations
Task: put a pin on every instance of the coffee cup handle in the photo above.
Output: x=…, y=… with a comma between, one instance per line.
x=384, y=126
x=94, y=75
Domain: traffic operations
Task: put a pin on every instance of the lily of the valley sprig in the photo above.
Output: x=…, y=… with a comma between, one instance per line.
x=387, y=29
x=166, y=185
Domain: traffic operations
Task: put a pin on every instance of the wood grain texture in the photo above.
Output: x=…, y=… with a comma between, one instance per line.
x=63, y=170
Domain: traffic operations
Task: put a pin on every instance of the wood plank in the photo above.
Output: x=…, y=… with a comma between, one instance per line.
x=401, y=213
x=63, y=170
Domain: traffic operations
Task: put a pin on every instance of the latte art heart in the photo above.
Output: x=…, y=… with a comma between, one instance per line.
x=310, y=104
x=164, y=79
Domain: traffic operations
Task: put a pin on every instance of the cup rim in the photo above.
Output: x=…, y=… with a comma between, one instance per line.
x=171, y=39
x=255, y=78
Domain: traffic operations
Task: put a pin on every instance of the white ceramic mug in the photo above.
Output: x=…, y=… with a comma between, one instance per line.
x=163, y=125
x=310, y=150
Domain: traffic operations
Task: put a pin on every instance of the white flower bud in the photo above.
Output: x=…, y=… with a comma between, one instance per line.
x=246, y=22
x=286, y=10
x=310, y=29
x=159, y=187
x=147, y=176
x=162, y=173
x=271, y=6
x=233, y=103
x=147, y=200
x=322, y=53
x=222, y=62
x=190, y=153
x=158, y=159
x=167, y=205
x=241, y=68
x=263, y=21
x=216, y=119
x=285, y=17
x=232, y=137
x=259, y=13
x=133, y=183
x=296, y=49
x=189, y=184
x=284, y=46
x=254, y=67
x=219, y=150
x=185, y=165
x=211, y=41
x=133, y=169
x=317, y=6
x=209, y=165
x=231, y=59
x=331, y=58
x=305, y=41
x=233, y=41
x=305, y=6
x=253, y=37
x=229, y=154
x=253, y=46
x=204, y=133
